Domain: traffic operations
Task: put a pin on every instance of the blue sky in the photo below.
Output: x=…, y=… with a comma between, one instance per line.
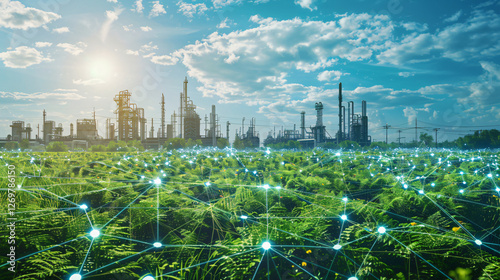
x=435, y=61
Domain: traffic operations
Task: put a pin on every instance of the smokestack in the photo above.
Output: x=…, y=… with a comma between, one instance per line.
x=363, y=108
x=43, y=127
x=71, y=130
x=303, y=124
x=162, y=116
x=213, y=126
x=343, y=118
x=339, y=137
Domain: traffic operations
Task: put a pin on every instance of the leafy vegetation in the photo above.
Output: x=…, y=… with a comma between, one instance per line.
x=322, y=212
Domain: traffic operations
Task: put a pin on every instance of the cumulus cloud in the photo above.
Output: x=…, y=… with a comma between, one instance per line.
x=329, y=76
x=222, y=3
x=223, y=24
x=73, y=49
x=60, y=30
x=113, y=1
x=454, y=17
x=485, y=92
x=131, y=52
x=306, y=4
x=111, y=16
x=138, y=6
x=89, y=82
x=17, y=16
x=190, y=10
x=157, y=9
x=128, y=27
x=146, y=28
x=43, y=44
x=164, y=60
x=22, y=57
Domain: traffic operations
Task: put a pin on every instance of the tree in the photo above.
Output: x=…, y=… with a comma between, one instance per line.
x=175, y=143
x=426, y=138
x=57, y=147
x=12, y=145
x=135, y=144
x=24, y=144
x=112, y=146
x=98, y=148
x=222, y=143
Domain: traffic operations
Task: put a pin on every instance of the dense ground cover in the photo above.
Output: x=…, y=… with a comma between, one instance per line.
x=226, y=214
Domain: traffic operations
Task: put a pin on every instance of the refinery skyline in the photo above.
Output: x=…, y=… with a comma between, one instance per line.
x=268, y=60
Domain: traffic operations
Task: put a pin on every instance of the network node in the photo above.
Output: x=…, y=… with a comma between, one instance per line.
x=157, y=244
x=157, y=181
x=266, y=186
x=149, y=277
x=381, y=230
x=243, y=217
x=478, y=242
x=83, y=207
x=207, y=184
x=343, y=217
x=489, y=175
x=266, y=245
x=353, y=278
x=433, y=184
x=405, y=186
x=75, y=276
x=461, y=191
x=95, y=233
x=278, y=187
x=337, y=247
x=421, y=191
x=344, y=199
x=497, y=189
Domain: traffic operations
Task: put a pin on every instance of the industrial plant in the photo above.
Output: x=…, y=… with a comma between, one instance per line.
x=131, y=124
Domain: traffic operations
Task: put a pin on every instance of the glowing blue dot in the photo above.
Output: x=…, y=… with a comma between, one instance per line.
x=461, y=191
x=157, y=181
x=145, y=165
x=95, y=233
x=381, y=230
x=337, y=246
x=478, y=242
x=243, y=217
x=433, y=184
x=246, y=170
x=343, y=217
x=266, y=245
x=278, y=187
x=461, y=173
x=421, y=191
x=268, y=152
x=282, y=163
x=465, y=183
x=266, y=186
x=75, y=276
x=405, y=186
x=497, y=189
x=344, y=199
x=157, y=244
x=83, y=207
x=207, y=184
x=352, y=278
x=489, y=175
x=149, y=277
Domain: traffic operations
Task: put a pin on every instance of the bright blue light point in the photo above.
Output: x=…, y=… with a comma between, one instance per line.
x=478, y=242
x=381, y=230
x=421, y=191
x=461, y=191
x=157, y=181
x=344, y=199
x=75, y=276
x=83, y=207
x=337, y=247
x=343, y=217
x=157, y=244
x=243, y=217
x=149, y=277
x=95, y=233
x=266, y=245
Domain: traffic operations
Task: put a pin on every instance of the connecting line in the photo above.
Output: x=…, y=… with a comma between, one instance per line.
x=86, y=214
x=267, y=210
x=257, y=270
x=59, y=197
x=451, y=217
x=158, y=212
x=127, y=239
x=84, y=260
x=420, y=256
x=314, y=277
x=275, y=267
x=490, y=233
x=206, y=262
x=32, y=254
x=115, y=262
x=320, y=266
x=126, y=207
x=364, y=260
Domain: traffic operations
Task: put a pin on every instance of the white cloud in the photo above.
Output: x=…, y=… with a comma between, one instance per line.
x=191, y=9
x=131, y=52
x=157, y=9
x=70, y=95
x=148, y=47
x=17, y=16
x=329, y=76
x=164, y=60
x=113, y=1
x=485, y=93
x=223, y=24
x=89, y=82
x=454, y=17
x=43, y=44
x=111, y=16
x=276, y=47
x=406, y=74
x=146, y=28
x=73, y=49
x=22, y=57
x=60, y=30
x=306, y=4
x=222, y=3
x=128, y=27
x=138, y=6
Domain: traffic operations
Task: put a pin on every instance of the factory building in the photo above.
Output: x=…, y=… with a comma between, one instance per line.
x=19, y=131
x=86, y=129
x=130, y=119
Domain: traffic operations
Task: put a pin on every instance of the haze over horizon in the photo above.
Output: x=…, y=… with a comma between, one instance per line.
x=437, y=62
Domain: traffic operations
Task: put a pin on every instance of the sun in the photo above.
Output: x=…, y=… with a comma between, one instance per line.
x=100, y=68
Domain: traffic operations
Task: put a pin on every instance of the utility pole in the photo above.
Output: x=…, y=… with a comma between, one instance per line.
x=399, y=137
x=436, y=130
x=386, y=127
x=227, y=130
x=242, y=128
x=416, y=138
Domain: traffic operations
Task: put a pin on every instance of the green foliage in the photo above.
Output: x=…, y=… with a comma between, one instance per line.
x=175, y=143
x=24, y=144
x=480, y=140
x=57, y=147
x=11, y=145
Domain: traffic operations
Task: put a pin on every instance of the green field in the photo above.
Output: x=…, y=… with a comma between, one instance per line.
x=226, y=214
